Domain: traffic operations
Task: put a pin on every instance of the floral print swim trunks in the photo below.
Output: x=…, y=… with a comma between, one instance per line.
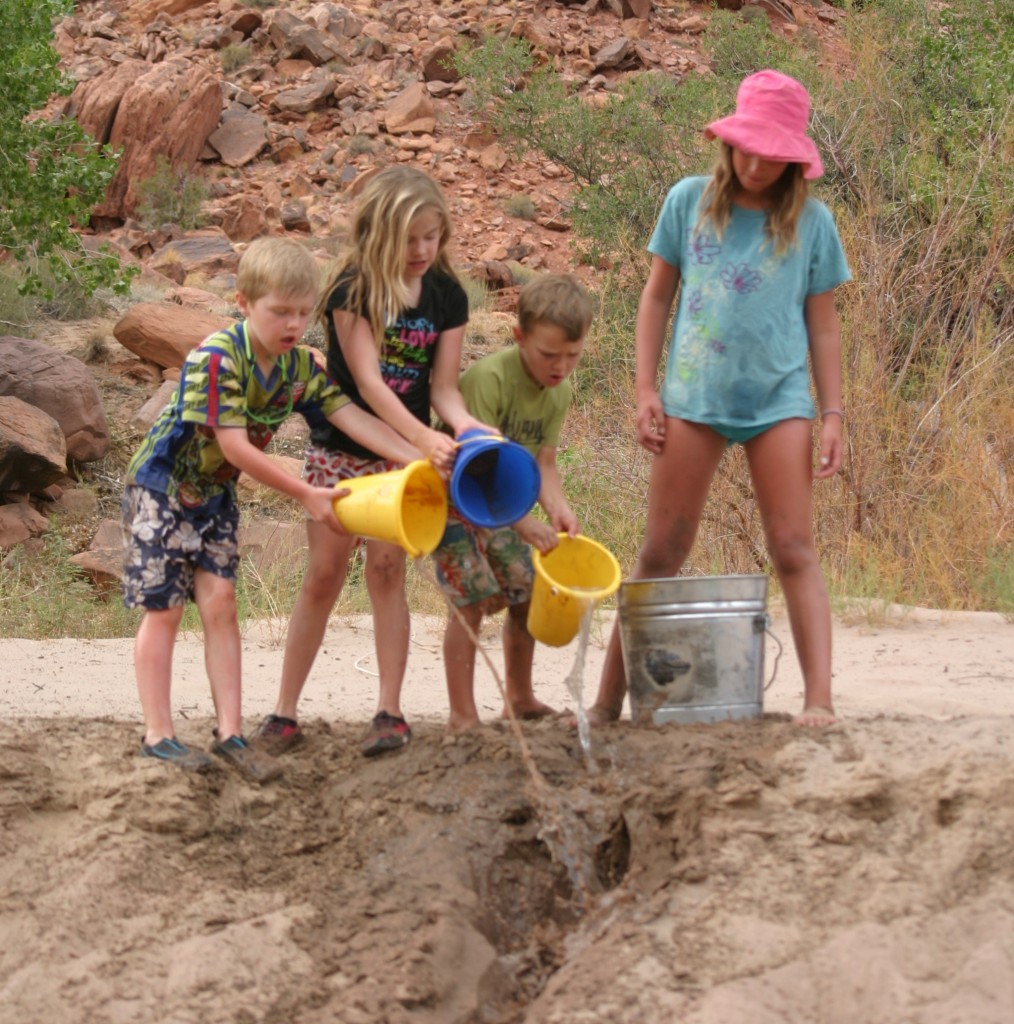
x=165, y=543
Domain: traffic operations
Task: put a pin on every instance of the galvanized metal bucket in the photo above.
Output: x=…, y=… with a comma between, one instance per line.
x=693, y=647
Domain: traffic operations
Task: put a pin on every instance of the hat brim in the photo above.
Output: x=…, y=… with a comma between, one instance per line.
x=763, y=139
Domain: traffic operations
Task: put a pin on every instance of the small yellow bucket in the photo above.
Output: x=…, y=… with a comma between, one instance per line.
x=406, y=506
x=577, y=572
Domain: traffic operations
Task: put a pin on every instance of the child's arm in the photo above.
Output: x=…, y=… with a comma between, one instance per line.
x=445, y=392
x=649, y=340
x=374, y=433
x=249, y=459
x=360, y=351
x=824, y=333
x=551, y=497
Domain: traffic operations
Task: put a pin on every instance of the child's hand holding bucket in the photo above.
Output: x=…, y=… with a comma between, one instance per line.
x=542, y=536
x=407, y=507
x=335, y=523
x=564, y=521
x=320, y=503
x=438, y=448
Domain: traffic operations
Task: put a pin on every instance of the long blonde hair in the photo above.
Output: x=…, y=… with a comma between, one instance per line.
x=782, y=219
x=374, y=264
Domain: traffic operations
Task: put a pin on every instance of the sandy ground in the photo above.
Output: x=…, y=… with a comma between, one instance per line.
x=891, y=661
x=749, y=871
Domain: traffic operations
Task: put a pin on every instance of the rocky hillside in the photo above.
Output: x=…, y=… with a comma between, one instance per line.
x=279, y=114
x=284, y=109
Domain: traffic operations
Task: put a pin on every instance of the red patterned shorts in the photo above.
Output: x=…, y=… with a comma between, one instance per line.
x=324, y=467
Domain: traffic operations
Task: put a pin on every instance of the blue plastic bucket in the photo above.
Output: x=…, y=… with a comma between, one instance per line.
x=495, y=481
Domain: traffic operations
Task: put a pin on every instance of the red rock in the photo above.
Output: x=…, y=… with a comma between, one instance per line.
x=163, y=333
x=169, y=111
x=33, y=452
x=411, y=110
x=61, y=386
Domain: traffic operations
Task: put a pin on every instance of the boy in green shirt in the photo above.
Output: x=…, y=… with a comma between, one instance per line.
x=523, y=390
x=180, y=514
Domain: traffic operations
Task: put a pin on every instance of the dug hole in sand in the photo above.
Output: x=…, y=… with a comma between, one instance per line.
x=740, y=872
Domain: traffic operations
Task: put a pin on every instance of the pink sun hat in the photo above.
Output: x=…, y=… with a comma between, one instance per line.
x=772, y=111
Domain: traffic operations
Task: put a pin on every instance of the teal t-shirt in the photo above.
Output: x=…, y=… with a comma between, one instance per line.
x=497, y=391
x=222, y=386
x=738, y=354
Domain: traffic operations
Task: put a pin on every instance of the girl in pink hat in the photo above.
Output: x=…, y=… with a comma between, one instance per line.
x=755, y=262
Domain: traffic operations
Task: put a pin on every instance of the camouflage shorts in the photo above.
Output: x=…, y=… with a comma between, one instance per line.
x=488, y=567
x=165, y=543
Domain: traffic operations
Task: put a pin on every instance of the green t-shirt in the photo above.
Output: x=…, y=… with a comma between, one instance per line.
x=499, y=392
x=222, y=386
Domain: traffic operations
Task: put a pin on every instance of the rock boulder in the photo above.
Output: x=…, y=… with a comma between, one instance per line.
x=62, y=387
x=33, y=453
x=163, y=333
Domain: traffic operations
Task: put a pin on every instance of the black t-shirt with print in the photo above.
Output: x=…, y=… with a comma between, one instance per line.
x=406, y=358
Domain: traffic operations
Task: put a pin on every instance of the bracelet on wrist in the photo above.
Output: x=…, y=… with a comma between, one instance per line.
x=832, y=412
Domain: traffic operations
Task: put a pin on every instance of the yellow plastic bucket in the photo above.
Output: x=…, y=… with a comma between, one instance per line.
x=577, y=572
x=407, y=507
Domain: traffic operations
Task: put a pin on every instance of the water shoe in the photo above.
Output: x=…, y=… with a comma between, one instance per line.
x=387, y=732
x=174, y=752
x=277, y=735
x=254, y=764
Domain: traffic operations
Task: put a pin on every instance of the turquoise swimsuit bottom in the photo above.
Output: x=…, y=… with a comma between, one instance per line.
x=740, y=435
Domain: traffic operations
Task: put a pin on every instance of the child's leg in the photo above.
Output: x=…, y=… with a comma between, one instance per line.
x=471, y=589
x=327, y=563
x=459, y=664
x=508, y=558
x=781, y=471
x=518, y=655
x=216, y=603
x=153, y=661
x=677, y=491
x=385, y=583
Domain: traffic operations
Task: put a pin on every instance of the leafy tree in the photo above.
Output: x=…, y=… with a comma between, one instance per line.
x=51, y=175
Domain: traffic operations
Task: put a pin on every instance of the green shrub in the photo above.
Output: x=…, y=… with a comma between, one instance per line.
x=738, y=46
x=358, y=145
x=477, y=292
x=520, y=206
x=171, y=197
x=234, y=56
x=72, y=295
x=16, y=308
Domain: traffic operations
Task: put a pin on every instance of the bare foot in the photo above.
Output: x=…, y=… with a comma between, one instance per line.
x=597, y=717
x=456, y=726
x=816, y=717
x=530, y=711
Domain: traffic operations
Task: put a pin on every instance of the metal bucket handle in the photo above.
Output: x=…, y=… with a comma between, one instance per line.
x=762, y=624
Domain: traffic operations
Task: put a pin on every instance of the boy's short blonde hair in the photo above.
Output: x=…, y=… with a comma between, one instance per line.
x=558, y=299
x=280, y=265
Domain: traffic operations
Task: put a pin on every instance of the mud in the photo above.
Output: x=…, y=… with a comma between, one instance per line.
x=726, y=873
